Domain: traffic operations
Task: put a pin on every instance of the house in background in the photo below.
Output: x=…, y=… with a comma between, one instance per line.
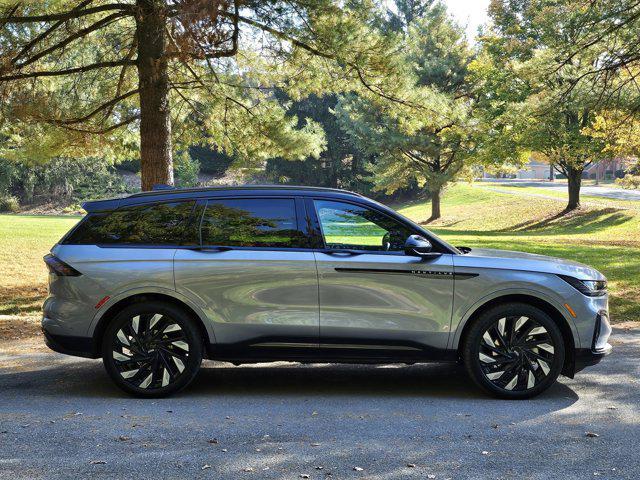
x=606, y=170
x=535, y=170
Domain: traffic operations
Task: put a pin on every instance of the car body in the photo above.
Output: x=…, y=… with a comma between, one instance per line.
x=265, y=273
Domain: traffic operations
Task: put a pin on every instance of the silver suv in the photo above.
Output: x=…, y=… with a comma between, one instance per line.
x=155, y=282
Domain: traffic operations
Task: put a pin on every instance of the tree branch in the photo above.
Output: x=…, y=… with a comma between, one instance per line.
x=68, y=71
x=278, y=34
x=97, y=110
x=108, y=129
x=75, y=13
x=79, y=34
x=45, y=34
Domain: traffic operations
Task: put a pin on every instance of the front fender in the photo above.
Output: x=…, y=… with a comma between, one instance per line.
x=469, y=312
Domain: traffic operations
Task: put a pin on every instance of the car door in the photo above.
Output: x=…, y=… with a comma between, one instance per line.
x=375, y=301
x=254, y=276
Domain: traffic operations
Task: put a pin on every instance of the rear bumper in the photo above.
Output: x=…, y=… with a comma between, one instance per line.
x=69, y=345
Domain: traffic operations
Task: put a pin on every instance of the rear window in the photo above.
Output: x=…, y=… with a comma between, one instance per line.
x=155, y=224
x=252, y=222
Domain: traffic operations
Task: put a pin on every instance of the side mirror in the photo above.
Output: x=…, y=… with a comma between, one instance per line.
x=418, y=246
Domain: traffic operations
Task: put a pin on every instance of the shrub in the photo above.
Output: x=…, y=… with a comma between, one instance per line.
x=629, y=181
x=186, y=170
x=9, y=203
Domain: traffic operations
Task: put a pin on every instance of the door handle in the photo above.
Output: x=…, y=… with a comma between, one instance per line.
x=342, y=251
x=212, y=249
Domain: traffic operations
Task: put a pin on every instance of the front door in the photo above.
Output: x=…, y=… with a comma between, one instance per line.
x=375, y=301
x=254, y=277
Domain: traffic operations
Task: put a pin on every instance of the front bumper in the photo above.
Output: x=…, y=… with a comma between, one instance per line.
x=600, y=347
x=586, y=357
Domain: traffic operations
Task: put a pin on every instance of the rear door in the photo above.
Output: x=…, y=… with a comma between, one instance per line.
x=255, y=277
x=375, y=301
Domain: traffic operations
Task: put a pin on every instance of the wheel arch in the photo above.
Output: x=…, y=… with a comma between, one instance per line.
x=140, y=297
x=544, y=305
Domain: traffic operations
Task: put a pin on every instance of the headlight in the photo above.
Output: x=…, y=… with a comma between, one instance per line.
x=590, y=288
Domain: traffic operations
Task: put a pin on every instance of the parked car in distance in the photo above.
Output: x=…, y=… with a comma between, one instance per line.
x=157, y=281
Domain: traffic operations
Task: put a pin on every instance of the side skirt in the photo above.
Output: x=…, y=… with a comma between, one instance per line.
x=325, y=353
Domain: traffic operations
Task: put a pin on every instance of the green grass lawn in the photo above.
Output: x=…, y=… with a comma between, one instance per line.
x=24, y=240
x=604, y=234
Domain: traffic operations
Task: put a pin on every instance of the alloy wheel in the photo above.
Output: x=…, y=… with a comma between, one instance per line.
x=150, y=351
x=516, y=353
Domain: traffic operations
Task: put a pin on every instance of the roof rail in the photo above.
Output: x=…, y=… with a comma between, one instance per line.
x=162, y=186
x=169, y=189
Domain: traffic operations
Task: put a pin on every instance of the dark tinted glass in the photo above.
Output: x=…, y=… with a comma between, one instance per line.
x=157, y=224
x=349, y=226
x=255, y=222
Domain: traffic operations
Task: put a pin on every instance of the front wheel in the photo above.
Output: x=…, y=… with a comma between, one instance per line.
x=152, y=349
x=514, y=351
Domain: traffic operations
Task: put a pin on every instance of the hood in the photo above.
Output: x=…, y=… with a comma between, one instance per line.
x=491, y=258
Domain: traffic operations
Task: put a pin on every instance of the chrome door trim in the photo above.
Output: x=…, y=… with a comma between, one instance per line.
x=422, y=273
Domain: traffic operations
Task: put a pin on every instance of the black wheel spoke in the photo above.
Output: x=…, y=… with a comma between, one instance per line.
x=524, y=334
x=497, y=350
x=510, y=330
x=535, y=343
x=506, y=361
x=531, y=353
x=500, y=337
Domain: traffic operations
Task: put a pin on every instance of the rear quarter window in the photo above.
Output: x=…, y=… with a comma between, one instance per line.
x=155, y=224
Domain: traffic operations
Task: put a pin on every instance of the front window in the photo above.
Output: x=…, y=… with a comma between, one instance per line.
x=348, y=226
x=252, y=222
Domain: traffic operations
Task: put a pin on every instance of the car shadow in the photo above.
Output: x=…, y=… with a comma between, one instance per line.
x=87, y=378
x=420, y=380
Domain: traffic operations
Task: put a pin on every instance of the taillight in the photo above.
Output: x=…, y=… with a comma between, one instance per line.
x=60, y=268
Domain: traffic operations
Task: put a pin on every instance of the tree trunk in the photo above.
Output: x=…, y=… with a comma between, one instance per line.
x=574, y=177
x=435, y=205
x=156, y=159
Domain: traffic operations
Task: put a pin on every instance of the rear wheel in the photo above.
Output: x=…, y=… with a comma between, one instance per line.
x=514, y=351
x=152, y=349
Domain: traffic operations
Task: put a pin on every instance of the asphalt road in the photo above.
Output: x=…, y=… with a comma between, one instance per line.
x=60, y=417
x=592, y=190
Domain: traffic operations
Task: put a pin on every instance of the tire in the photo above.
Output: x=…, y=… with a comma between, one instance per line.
x=152, y=349
x=514, y=351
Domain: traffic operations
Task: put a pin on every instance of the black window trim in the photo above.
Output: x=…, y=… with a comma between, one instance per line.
x=306, y=222
x=322, y=247
x=299, y=216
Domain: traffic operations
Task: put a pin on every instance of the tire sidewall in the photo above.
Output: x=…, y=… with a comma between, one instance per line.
x=471, y=349
x=190, y=330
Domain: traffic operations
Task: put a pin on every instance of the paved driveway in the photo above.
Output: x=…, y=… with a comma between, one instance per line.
x=592, y=190
x=61, y=418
